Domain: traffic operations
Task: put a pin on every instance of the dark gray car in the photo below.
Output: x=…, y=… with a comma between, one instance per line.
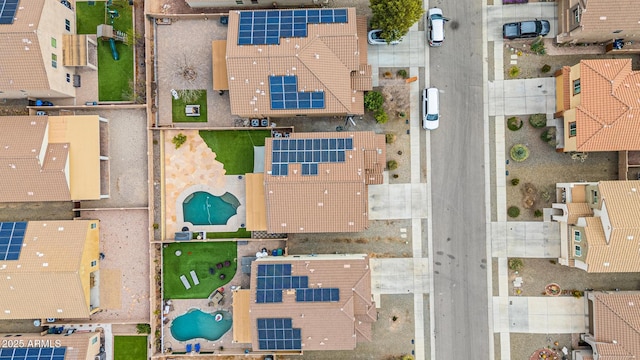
x=525, y=29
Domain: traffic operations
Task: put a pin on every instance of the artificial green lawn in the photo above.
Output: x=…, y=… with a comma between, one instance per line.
x=178, y=106
x=88, y=17
x=130, y=347
x=200, y=257
x=241, y=233
x=234, y=148
x=114, y=77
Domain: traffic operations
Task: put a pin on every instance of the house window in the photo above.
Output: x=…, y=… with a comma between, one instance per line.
x=576, y=87
x=578, y=250
x=67, y=24
x=576, y=236
x=94, y=340
x=54, y=60
x=93, y=225
x=576, y=14
x=94, y=263
x=54, y=43
x=239, y=2
x=617, y=31
x=594, y=195
x=69, y=80
x=572, y=129
x=254, y=1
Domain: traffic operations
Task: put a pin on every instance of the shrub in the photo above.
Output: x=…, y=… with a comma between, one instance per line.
x=513, y=211
x=538, y=46
x=514, y=71
x=402, y=73
x=179, y=139
x=537, y=213
x=538, y=120
x=519, y=152
x=381, y=116
x=516, y=264
x=402, y=114
x=373, y=100
x=515, y=181
x=514, y=123
x=545, y=68
x=392, y=164
x=388, y=74
x=548, y=135
x=577, y=294
x=390, y=138
x=143, y=329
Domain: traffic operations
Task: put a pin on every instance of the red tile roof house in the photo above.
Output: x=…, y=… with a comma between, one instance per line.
x=297, y=62
x=316, y=182
x=614, y=326
x=599, y=102
x=304, y=303
x=599, y=225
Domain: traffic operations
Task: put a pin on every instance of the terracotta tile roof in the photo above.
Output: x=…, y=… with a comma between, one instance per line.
x=577, y=210
x=324, y=325
x=608, y=117
x=78, y=344
x=46, y=281
x=618, y=14
x=613, y=234
x=566, y=88
x=27, y=172
x=20, y=54
x=325, y=60
x=336, y=199
x=616, y=325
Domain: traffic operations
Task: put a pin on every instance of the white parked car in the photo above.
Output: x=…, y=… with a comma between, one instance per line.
x=430, y=109
x=374, y=38
x=174, y=93
x=435, y=27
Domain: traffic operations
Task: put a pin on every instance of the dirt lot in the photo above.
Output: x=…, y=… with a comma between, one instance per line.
x=545, y=167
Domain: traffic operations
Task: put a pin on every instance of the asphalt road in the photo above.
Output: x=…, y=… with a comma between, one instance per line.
x=458, y=188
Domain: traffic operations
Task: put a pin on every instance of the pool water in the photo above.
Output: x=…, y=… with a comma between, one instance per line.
x=202, y=208
x=197, y=324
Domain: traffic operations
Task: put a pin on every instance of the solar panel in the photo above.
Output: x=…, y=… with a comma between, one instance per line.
x=309, y=153
x=283, y=91
x=8, y=11
x=35, y=353
x=11, y=238
x=318, y=295
x=278, y=334
x=271, y=280
x=266, y=27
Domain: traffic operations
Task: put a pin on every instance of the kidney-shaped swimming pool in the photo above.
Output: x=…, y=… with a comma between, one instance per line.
x=197, y=324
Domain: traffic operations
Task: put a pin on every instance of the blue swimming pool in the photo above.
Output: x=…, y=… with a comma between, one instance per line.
x=202, y=208
x=197, y=324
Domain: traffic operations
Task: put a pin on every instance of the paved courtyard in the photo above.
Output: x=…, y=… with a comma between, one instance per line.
x=189, y=42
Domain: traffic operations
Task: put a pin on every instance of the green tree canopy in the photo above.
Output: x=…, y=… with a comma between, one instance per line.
x=395, y=17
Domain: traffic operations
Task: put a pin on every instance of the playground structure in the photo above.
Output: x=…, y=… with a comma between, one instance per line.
x=106, y=33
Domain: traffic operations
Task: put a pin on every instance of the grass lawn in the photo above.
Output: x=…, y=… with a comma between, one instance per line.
x=88, y=17
x=241, y=233
x=234, y=148
x=114, y=77
x=177, y=109
x=200, y=257
x=130, y=347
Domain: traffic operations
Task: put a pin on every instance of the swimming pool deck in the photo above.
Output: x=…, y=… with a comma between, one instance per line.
x=190, y=168
x=181, y=306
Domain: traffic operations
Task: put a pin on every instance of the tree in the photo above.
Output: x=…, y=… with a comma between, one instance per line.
x=395, y=17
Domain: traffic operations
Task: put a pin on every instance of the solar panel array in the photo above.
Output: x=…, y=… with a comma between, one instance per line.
x=8, y=11
x=308, y=152
x=278, y=334
x=36, y=353
x=266, y=27
x=285, y=95
x=273, y=278
x=312, y=295
x=11, y=238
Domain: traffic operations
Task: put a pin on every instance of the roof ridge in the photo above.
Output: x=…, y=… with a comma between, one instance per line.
x=619, y=316
x=333, y=56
